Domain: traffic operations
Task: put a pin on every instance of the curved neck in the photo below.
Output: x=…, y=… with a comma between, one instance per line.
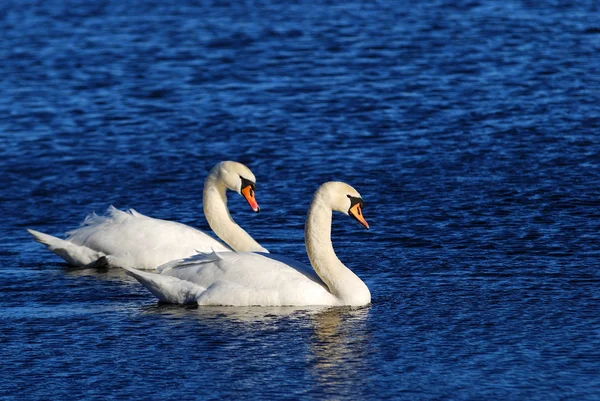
x=220, y=221
x=341, y=281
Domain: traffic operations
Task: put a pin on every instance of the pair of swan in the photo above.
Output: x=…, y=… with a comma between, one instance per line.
x=253, y=277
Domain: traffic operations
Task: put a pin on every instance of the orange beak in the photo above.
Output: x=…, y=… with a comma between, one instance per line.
x=356, y=212
x=248, y=193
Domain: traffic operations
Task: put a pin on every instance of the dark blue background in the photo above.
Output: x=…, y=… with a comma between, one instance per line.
x=471, y=128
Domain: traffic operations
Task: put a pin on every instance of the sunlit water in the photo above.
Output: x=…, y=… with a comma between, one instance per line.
x=471, y=128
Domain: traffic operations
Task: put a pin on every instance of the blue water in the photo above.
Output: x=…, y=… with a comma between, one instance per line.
x=471, y=129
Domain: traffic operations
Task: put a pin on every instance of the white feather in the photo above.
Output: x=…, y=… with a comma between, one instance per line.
x=131, y=239
x=258, y=279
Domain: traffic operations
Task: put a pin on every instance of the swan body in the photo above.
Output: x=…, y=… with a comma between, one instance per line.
x=255, y=279
x=131, y=239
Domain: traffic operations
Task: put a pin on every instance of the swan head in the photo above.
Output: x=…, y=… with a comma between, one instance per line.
x=341, y=197
x=240, y=179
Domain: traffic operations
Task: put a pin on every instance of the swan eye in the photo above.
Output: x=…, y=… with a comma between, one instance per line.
x=355, y=210
x=247, y=192
x=354, y=200
x=246, y=183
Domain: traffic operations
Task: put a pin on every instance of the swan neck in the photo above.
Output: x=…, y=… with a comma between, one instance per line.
x=341, y=281
x=318, y=238
x=219, y=219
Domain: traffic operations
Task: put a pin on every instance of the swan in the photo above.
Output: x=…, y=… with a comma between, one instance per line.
x=255, y=279
x=131, y=239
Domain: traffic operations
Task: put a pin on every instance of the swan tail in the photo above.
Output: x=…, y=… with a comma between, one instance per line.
x=166, y=288
x=45, y=239
x=73, y=254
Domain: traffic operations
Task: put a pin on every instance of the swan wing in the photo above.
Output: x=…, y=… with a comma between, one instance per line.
x=135, y=240
x=242, y=279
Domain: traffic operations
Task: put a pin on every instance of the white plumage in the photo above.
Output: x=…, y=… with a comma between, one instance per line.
x=131, y=239
x=255, y=279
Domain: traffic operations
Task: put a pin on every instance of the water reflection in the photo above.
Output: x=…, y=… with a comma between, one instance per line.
x=338, y=351
x=230, y=314
x=335, y=349
x=101, y=273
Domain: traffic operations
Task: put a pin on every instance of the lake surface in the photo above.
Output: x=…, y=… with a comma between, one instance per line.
x=471, y=129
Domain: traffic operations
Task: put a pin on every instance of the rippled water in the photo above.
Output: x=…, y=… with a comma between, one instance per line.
x=471, y=128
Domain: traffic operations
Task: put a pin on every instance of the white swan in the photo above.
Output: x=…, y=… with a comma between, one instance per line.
x=252, y=279
x=130, y=239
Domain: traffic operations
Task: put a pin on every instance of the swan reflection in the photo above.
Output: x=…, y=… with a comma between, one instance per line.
x=338, y=351
x=99, y=273
x=329, y=344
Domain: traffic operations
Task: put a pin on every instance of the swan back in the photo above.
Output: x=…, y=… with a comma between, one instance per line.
x=246, y=279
